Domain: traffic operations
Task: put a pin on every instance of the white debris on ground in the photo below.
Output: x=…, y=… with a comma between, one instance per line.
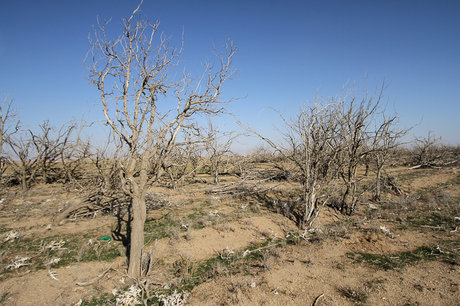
x=19, y=262
x=53, y=246
x=129, y=297
x=226, y=253
x=52, y=261
x=214, y=213
x=174, y=299
x=11, y=235
x=386, y=231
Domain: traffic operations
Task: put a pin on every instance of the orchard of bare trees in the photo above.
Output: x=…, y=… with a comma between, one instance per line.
x=334, y=152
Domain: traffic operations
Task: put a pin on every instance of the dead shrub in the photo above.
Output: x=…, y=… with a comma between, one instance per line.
x=355, y=295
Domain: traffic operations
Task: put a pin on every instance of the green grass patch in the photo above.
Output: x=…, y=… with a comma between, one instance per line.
x=431, y=220
x=103, y=299
x=404, y=177
x=399, y=260
x=71, y=249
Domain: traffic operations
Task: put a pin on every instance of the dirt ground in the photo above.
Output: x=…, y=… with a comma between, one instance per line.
x=220, y=249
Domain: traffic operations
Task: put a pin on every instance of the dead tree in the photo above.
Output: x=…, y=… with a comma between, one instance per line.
x=356, y=119
x=21, y=161
x=73, y=153
x=384, y=139
x=311, y=144
x=131, y=73
x=312, y=139
x=48, y=147
x=217, y=144
x=184, y=160
x=8, y=127
x=429, y=153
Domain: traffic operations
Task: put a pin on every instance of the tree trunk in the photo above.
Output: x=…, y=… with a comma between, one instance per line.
x=310, y=204
x=137, y=235
x=216, y=176
x=347, y=200
x=215, y=172
x=377, y=183
x=24, y=184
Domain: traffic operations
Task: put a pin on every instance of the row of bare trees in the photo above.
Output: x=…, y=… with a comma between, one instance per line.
x=43, y=155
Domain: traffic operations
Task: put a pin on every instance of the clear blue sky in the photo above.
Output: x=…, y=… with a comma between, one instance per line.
x=289, y=51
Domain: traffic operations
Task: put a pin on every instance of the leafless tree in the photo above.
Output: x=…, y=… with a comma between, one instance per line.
x=131, y=73
x=184, y=160
x=48, y=147
x=21, y=161
x=311, y=143
x=356, y=119
x=9, y=125
x=383, y=140
x=217, y=144
x=365, y=132
x=74, y=152
x=429, y=152
x=312, y=140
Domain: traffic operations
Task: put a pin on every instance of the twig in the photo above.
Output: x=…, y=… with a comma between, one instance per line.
x=317, y=299
x=429, y=226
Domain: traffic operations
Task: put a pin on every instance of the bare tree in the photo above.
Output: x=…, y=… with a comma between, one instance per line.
x=311, y=143
x=365, y=133
x=384, y=139
x=8, y=127
x=73, y=152
x=312, y=140
x=183, y=160
x=49, y=147
x=356, y=120
x=217, y=144
x=429, y=152
x=21, y=161
x=131, y=73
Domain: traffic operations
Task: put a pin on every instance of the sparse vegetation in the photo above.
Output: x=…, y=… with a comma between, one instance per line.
x=164, y=213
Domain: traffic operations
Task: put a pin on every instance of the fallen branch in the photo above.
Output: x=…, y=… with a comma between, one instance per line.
x=73, y=207
x=92, y=281
x=247, y=252
x=52, y=274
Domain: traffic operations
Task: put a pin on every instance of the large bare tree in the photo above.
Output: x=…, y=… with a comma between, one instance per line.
x=147, y=106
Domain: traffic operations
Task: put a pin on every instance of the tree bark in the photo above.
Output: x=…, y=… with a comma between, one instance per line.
x=137, y=234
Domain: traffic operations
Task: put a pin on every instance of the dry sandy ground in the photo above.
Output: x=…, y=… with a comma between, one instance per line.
x=317, y=271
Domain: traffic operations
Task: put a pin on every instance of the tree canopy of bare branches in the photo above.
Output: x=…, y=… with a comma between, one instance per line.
x=49, y=154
